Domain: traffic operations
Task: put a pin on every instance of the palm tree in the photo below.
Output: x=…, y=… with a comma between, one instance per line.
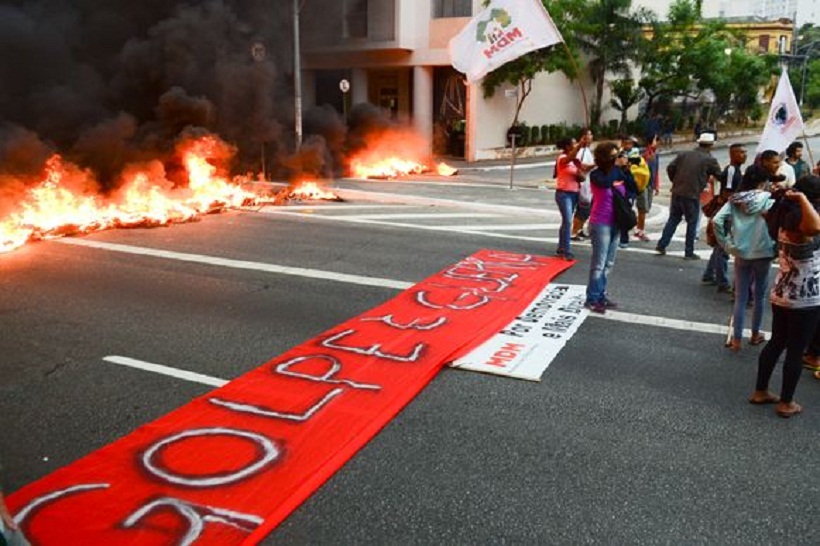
x=625, y=95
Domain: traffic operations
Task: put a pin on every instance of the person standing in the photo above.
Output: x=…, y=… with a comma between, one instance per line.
x=795, y=296
x=584, y=205
x=569, y=175
x=611, y=175
x=747, y=239
x=640, y=172
x=689, y=173
x=653, y=186
x=730, y=180
x=794, y=157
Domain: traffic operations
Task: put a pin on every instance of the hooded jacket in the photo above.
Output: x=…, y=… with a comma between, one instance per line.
x=740, y=226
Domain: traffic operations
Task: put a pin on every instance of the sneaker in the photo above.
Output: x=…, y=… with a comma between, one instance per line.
x=660, y=251
x=569, y=256
x=580, y=236
x=609, y=304
x=707, y=280
x=559, y=251
x=691, y=257
x=724, y=289
x=596, y=307
x=623, y=245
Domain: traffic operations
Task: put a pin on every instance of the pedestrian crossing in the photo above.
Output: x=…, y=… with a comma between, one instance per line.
x=504, y=222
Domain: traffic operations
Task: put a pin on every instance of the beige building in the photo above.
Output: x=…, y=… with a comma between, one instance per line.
x=394, y=54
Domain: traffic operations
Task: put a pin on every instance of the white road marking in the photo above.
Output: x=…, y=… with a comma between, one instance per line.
x=239, y=264
x=422, y=215
x=674, y=324
x=508, y=227
x=166, y=370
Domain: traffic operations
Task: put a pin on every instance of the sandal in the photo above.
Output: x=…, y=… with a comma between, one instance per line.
x=759, y=399
x=811, y=363
x=757, y=339
x=790, y=410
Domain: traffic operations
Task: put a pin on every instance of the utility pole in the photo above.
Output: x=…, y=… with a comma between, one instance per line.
x=297, y=76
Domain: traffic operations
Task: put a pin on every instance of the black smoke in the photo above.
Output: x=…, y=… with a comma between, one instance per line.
x=109, y=83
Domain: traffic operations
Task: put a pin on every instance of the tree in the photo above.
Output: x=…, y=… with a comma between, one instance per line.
x=625, y=95
x=521, y=72
x=611, y=34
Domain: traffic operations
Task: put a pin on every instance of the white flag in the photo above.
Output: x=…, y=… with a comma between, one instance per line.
x=501, y=33
x=784, y=124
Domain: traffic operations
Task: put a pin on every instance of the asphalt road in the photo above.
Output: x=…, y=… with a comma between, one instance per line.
x=639, y=432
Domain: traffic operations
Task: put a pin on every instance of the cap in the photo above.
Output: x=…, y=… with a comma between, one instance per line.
x=706, y=138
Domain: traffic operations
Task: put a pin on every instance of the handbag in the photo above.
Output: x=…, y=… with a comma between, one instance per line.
x=713, y=206
x=625, y=217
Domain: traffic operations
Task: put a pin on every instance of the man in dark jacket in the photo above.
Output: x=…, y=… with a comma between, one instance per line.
x=689, y=173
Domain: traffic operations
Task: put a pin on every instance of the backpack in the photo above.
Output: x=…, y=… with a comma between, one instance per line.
x=641, y=174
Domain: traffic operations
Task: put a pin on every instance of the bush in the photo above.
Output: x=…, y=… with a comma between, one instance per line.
x=535, y=135
x=545, y=134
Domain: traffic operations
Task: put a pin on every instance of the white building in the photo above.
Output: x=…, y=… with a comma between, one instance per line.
x=802, y=11
x=394, y=53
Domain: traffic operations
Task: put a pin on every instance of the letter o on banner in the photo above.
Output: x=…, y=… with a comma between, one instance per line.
x=270, y=452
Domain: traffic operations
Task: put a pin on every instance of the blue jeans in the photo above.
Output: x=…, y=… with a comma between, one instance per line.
x=746, y=272
x=566, y=201
x=682, y=207
x=718, y=267
x=604, y=240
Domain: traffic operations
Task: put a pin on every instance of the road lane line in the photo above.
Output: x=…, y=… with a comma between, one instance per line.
x=239, y=264
x=368, y=281
x=166, y=370
x=423, y=215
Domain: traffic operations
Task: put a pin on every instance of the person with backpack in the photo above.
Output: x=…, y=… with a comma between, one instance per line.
x=730, y=179
x=647, y=187
x=741, y=230
x=795, y=296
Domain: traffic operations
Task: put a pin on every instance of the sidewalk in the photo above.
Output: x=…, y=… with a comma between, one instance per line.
x=680, y=142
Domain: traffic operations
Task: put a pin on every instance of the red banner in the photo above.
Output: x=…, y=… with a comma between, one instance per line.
x=229, y=466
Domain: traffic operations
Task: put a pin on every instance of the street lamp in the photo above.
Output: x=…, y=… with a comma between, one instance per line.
x=297, y=75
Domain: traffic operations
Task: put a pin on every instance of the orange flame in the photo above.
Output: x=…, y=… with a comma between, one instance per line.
x=312, y=191
x=64, y=202
x=395, y=153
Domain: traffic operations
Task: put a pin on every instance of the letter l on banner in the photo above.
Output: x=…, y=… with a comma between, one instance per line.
x=785, y=123
x=504, y=31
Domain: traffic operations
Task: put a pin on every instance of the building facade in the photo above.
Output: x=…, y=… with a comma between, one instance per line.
x=394, y=54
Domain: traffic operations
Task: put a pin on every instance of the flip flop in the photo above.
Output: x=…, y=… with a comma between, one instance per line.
x=785, y=414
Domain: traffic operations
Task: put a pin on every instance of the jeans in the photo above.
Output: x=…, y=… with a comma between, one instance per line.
x=566, y=201
x=747, y=271
x=718, y=267
x=682, y=207
x=792, y=329
x=604, y=240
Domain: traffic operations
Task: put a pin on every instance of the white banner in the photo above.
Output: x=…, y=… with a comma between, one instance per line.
x=504, y=31
x=525, y=348
x=785, y=123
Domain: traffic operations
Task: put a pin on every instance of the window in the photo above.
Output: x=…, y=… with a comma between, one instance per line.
x=355, y=19
x=452, y=8
x=763, y=43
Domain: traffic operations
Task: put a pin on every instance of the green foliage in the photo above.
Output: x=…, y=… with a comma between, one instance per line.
x=625, y=95
x=545, y=134
x=812, y=86
x=535, y=135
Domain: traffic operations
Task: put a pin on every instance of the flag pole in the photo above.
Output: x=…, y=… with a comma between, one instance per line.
x=808, y=148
